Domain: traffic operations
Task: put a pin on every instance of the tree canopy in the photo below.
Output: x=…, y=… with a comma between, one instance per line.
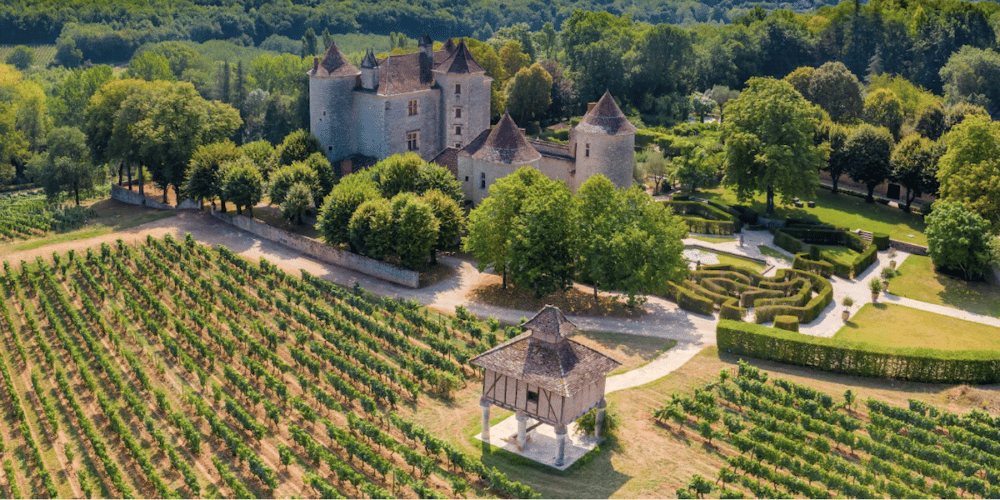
x=969, y=171
x=868, y=152
x=959, y=241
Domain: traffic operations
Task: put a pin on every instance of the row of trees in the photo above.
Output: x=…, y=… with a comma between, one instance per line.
x=534, y=230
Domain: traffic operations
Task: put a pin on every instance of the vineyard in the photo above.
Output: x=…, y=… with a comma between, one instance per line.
x=783, y=440
x=27, y=215
x=44, y=54
x=170, y=369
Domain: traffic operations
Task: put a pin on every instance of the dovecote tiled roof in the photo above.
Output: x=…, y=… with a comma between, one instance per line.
x=504, y=144
x=334, y=64
x=564, y=367
x=606, y=118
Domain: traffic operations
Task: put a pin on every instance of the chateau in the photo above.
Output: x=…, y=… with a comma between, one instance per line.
x=437, y=104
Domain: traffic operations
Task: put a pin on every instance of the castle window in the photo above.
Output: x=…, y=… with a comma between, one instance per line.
x=458, y=112
x=482, y=180
x=458, y=88
x=586, y=150
x=458, y=145
x=466, y=178
x=414, y=107
x=413, y=140
x=458, y=130
x=324, y=113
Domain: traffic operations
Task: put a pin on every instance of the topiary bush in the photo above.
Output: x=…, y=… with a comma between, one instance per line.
x=880, y=240
x=790, y=323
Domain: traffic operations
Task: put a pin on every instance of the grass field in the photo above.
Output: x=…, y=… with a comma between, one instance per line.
x=647, y=460
x=839, y=253
x=892, y=325
x=632, y=351
x=44, y=54
x=770, y=252
x=840, y=210
x=917, y=280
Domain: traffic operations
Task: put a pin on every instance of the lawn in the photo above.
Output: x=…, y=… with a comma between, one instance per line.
x=840, y=210
x=839, y=253
x=647, y=460
x=739, y=261
x=917, y=280
x=721, y=239
x=892, y=325
x=770, y=252
x=632, y=351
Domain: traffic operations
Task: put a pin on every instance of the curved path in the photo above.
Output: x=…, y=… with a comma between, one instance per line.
x=664, y=319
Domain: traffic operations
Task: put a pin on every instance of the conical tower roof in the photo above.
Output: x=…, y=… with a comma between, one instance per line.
x=506, y=144
x=549, y=324
x=606, y=118
x=449, y=45
x=369, y=60
x=334, y=64
x=460, y=62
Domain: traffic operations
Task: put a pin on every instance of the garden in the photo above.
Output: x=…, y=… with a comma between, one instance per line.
x=891, y=325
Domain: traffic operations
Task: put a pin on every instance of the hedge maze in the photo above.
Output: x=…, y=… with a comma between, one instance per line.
x=733, y=290
x=801, y=240
x=706, y=218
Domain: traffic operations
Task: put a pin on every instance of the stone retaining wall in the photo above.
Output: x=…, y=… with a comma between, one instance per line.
x=126, y=195
x=325, y=253
x=908, y=247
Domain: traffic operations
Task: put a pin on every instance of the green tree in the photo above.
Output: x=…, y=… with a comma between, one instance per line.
x=769, y=144
x=547, y=40
x=21, y=57
x=868, y=153
x=285, y=177
x=297, y=202
x=972, y=75
x=800, y=79
x=837, y=163
x=410, y=173
x=721, y=95
x=700, y=486
x=73, y=94
x=204, y=174
x=491, y=224
x=959, y=240
x=487, y=57
x=835, y=89
x=529, y=93
x=340, y=205
x=297, y=146
x=695, y=166
x=450, y=219
x=67, y=53
x=149, y=66
x=596, y=44
x=243, y=185
x=261, y=153
x=701, y=105
x=416, y=232
x=67, y=166
x=959, y=112
x=883, y=109
x=969, y=171
x=372, y=230
x=109, y=135
x=513, y=57
x=914, y=166
x=657, y=167
x=326, y=177
x=662, y=61
x=930, y=121
x=543, y=247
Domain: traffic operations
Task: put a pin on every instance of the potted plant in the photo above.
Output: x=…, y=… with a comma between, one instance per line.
x=892, y=257
x=876, y=287
x=887, y=274
x=848, y=302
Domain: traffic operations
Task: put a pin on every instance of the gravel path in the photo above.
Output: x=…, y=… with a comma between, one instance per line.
x=664, y=319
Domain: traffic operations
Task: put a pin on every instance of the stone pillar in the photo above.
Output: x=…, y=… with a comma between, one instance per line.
x=522, y=425
x=486, y=418
x=599, y=420
x=560, y=445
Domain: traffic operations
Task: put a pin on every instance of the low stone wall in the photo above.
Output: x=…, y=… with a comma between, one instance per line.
x=126, y=195
x=325, y=253
x=903, y=246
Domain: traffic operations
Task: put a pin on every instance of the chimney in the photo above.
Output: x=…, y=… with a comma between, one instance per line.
x=315, y=64
x=590, y=106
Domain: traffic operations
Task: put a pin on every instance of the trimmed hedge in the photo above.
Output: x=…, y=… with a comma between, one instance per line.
x=705, y=218
x=690, y=301
x=881, y=241
x=859, y=359
x=800, y=239
x=806, y=313
x=820, y=267
x=730, y=310
x=790, y=323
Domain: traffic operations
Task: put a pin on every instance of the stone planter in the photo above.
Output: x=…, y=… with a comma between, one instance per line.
x=885, y=286
x=846, y=315
x=874, y=297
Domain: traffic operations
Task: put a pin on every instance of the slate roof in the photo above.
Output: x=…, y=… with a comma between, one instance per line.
x=334, y=64
x=460, y=62
x=564, y=367
x=448, y=159
x=504, y=144
x=606, y=118
x=369, y=60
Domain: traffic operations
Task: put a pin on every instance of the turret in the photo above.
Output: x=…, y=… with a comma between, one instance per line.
x=369, y=71
x=331, y=101
x=465, y=96
x=603, y=143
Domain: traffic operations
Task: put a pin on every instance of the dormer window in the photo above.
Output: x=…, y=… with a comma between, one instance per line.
x=414, y=107
x=586, y=150
x=458, y=88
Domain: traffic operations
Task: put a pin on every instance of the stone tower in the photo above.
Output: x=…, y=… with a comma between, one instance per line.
x=369, y=71
x=331, y=103
x=465, y=96
x=604, y=143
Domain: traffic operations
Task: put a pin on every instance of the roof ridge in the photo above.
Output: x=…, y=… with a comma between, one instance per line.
x=507, y=144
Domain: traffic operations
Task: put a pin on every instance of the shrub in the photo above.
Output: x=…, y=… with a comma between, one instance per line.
x=820, y=267
x=853, y=358
x=586, y=423
x=880, y=240
x=959, y=241
x=690, y=301
x=875, y=286
x=790, y=323
x=705, y=218
x=730, y=310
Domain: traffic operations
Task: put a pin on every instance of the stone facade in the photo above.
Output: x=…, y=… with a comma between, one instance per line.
x=422, y=102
